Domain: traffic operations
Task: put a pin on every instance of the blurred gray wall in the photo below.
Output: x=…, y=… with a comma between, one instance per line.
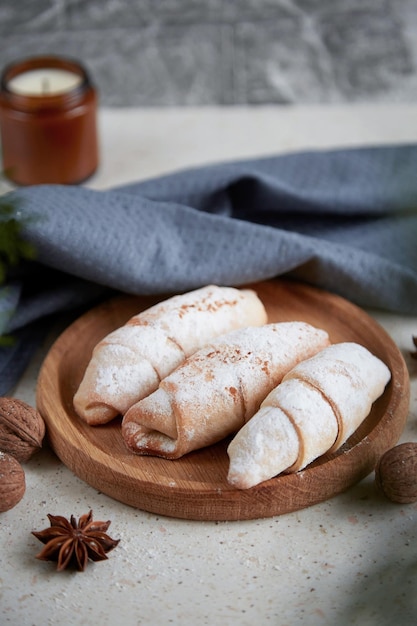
x=225, y=52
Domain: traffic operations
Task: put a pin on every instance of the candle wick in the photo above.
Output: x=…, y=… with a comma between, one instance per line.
x=45, y=84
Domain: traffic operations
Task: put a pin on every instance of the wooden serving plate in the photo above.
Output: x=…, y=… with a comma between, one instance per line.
x=195, y=486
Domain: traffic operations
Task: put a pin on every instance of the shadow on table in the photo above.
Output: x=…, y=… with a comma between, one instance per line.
x=386, y=591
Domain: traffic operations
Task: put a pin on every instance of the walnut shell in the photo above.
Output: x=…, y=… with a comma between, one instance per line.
x=396, y=473
x=12, y=482
x=22, y=428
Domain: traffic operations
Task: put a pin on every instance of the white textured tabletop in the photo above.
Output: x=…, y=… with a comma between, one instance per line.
x=350, y=560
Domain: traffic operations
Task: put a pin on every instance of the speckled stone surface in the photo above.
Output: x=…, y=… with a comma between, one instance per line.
x=350, y=560
x=188, y=52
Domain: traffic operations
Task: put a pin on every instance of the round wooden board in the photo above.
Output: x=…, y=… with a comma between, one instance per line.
x=195, y=486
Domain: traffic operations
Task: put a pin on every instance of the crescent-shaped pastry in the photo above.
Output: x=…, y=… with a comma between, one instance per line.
x=316, y=408
x=129, y=363
x=218, y=388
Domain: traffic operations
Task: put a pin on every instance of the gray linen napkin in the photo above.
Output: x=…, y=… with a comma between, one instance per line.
x=343, y=220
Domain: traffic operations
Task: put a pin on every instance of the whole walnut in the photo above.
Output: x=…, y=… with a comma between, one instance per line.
x=22, y=428
x=396, y=473
x=12, y=482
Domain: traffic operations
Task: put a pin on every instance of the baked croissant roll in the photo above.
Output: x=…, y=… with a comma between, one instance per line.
x=315, y=409
x=218, y=388
x=129, y=363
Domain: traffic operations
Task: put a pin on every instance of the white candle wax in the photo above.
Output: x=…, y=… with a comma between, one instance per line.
x=44, y=82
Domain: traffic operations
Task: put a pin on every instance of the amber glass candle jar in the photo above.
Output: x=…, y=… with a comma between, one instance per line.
x=48, y=122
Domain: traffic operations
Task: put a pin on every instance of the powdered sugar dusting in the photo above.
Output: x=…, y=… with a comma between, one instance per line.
x=350, y=377
x=345, y=378
x=264, y=447
x=221, y=386
x=194, y=318
x=128, y=364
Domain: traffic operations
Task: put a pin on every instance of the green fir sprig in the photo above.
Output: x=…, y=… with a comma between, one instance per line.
x=13, y=247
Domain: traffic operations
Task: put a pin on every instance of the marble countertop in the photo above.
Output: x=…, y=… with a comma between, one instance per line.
x=350, y=560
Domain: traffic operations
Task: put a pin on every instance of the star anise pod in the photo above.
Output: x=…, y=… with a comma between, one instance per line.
x=72, y=543
x=414, y=354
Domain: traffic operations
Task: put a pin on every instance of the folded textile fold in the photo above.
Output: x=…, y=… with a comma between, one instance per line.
x=343, y=220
